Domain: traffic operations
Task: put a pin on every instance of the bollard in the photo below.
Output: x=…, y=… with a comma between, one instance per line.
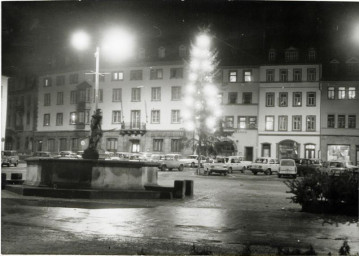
x=189, y=187
x=179, y=189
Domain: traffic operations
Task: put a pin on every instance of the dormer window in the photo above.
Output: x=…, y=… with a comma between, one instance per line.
x=182, y=51
x=141, y=53
x=291, y=55
x=312, y=54
x=352, y=66
x=161, y=52
x=334, y=66
x=271, y=55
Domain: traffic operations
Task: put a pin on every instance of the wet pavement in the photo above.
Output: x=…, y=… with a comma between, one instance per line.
x=225, y=215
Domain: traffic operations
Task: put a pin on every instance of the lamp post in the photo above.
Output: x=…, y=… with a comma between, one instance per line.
x=120, y=43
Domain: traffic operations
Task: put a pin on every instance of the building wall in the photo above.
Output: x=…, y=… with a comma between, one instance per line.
x=274, y=136
x=4, y=97
x=346, y=137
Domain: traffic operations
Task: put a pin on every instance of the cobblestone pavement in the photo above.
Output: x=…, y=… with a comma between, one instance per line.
x=227, y=215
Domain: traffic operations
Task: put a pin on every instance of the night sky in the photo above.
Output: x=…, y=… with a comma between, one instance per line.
x=42, y=28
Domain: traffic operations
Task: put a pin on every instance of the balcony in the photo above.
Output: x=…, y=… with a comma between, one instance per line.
x=133, y=128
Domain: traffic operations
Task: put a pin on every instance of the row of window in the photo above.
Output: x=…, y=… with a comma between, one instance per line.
x=83, y=117
x=63, y=145
x=244, y=122
x=310, y=122
x=155, y=73
x=233, y=97
x=297, y=99
x=342, y=93
x=157, y=145
x=341, y=121
x=296, y=75
x=85, y=95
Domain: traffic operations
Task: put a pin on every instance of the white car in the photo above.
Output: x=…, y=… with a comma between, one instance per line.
x=192, y=160
x=267, y=165
x=287, y=167
x=217, y=166
x=171, y=161
x=236, y=163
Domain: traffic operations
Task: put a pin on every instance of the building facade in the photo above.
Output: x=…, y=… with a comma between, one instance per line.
x=340, y=110
x=289, y=106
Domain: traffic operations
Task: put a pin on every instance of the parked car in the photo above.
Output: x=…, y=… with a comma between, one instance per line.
x=217, y=166
x=338, y=167
x=43, y=154
x=192, y=160
x=9, y=157
x=307, y=166
x=267, y=165
x=287, y=167
x=236, y=163
x=171, y=161
x=68, y=154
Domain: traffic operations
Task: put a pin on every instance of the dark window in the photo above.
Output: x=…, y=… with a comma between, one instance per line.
x=176, y=145
x=270, y=75
x=157, y=145
x=59, y=119
x=331, y=121
x=156, y=74
x=341, y=121
x=247, y=98
x=311, y=74
x=283, y=75
x=352, y=121
x=270, y=99
x=176, y=73
x=282, y=123
x=60, y=80
x=283, y=99
x=136, y=75
x=297, y=75
x=311, y=99
x=232, y=97
x=297, y=99
x=310, y=123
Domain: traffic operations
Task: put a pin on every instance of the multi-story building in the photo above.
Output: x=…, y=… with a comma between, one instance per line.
x=239, y=93
x=340, y=110
x=141, y=105
x=4, y=96
x=289, y=105
x=21, y=114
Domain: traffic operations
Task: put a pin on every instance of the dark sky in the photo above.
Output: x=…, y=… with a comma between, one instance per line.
x=41, y=28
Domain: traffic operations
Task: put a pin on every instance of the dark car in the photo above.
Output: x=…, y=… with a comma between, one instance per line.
x=307, y=166
x=9, y=157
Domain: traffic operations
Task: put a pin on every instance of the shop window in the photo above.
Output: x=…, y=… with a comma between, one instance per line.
x=288, y=149
x=309, y=151
x=338, y=152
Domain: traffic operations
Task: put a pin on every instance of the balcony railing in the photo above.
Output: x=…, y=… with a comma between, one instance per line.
x=133, y=128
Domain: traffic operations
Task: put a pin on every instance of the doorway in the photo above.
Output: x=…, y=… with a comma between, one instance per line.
x=248, y=153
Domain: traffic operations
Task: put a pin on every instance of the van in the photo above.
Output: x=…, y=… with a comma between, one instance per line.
x=9, y=157
x=287, y=167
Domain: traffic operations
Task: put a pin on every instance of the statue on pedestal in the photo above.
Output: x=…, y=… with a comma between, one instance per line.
x=96, y=133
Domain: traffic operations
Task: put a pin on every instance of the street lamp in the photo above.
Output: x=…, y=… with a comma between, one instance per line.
x=118, y=43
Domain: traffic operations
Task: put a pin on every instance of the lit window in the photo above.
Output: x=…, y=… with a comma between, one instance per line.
x=116, y=116
x=232, y=76
x=269, y=123
x=283, y=123
x=47, y=82
x=341, y=93
x=242, y=122
x=73, y=118
x=297, y=123
x=228, y=122
x=155, y=116
x=117, y=76
x=352, y=93
x=331, y=93
x=248, y=76
x=297, y=99
x=46, y=119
